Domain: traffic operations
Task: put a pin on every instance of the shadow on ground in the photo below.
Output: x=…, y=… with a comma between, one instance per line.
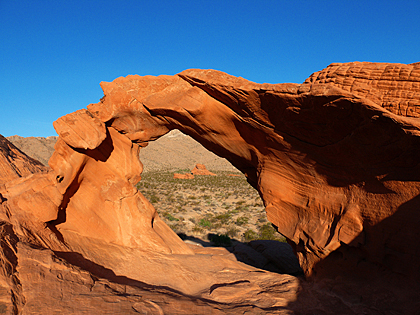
x=270, y=255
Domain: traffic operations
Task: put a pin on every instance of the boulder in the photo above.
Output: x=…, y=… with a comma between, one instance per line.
x=200, y=169
x=183, y=176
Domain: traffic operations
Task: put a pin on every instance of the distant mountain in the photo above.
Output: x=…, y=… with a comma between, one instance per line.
x=176, y=151
x=39, y=148
x=171, y=152
x=14, y=163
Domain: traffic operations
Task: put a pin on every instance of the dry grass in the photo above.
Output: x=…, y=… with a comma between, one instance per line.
x=222, y=205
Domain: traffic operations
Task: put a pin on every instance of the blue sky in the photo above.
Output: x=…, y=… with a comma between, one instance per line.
x=53, y=54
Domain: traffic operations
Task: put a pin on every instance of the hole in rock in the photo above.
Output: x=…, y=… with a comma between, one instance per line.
x=211, y=210
x=222, y=210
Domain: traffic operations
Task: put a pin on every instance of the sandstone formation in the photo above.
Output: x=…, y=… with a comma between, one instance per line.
x=200, y=169
x=171, y=152
x=183, y=176
x=335, y=160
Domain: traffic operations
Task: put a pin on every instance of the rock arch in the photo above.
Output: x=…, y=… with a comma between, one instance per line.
x=334, y=160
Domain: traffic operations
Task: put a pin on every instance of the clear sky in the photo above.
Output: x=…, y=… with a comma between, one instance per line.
x=53, y=54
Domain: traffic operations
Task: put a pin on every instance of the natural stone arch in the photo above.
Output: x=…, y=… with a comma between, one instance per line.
x=338, y=170
x=292, y=142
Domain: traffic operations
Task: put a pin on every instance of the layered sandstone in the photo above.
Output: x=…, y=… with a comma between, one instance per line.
x=334, y=159
x=200, y=169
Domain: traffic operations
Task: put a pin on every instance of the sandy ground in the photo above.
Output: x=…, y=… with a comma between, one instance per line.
x=221, y=205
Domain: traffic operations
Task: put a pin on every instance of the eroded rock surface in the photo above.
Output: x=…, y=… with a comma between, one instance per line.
x=200, y=169
x=335, y=160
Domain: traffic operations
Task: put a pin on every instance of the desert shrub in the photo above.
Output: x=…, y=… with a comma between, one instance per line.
x=170, y=198
x=262, y=219
x=220, y=240
x=205, y=195
x=232, y=232
x=197, y=229
x=267, y=232
x=223, y=218
x=250, y=235
x=154, y=199
x=205, y=223
x=242, y=220
x=170, y=217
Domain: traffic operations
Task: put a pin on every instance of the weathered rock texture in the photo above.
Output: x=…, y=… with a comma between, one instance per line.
x=335, y=162
x=183, y=176
x=200, y=169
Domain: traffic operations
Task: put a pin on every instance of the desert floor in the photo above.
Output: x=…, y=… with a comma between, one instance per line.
x=216, y=210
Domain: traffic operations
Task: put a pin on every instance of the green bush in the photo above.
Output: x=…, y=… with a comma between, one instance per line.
x=232, y=232
x=220, y=240
x=242, y=220
x=250, y=235
x=154, y=199
x=267, y=232
x=205, y=223
x=223, y=218
x=170, y=217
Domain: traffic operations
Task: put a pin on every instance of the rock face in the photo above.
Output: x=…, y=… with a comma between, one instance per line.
x=200, y=169
x=335, y=160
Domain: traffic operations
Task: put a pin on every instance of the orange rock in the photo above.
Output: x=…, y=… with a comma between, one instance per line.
x=328, y=156
x=183, y=176
x=81, y=129
x=200, y=169
x=335, y=160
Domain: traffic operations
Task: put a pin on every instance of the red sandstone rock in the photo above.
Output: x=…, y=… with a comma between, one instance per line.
x=183, y=176
x=81, y=129
x=201, y=169
x=335, y=163
x=331, y=163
